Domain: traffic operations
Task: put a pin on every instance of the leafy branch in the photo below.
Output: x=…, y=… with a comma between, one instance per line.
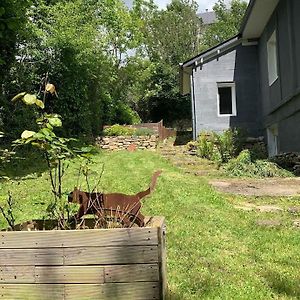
x=56, y=150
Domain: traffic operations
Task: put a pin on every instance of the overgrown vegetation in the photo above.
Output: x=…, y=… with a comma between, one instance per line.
x=117, y=130
x=227, y=149
x=245, y=166
x=143, y=132
x=120, y=130
x=220, y=147
x=110, y=63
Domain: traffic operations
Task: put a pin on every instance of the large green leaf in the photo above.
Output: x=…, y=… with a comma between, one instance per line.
x=45, y=131
x=29, y=99
x=20, y=95
x=55, y=122
x=40, y=103
x=27, y=134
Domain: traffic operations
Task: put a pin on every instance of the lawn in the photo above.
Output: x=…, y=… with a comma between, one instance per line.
x=215, y=251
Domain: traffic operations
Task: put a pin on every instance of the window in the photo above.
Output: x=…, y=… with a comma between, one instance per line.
x=272, y=58
x=226, y=99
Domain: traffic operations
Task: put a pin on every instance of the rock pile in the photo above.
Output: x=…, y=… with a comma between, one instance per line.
x=289, y=161
x=125, y=142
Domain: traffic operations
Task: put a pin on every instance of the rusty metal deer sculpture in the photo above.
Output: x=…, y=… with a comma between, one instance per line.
x=116, y=205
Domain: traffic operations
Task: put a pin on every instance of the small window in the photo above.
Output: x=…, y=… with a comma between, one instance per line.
x=272, y=58
x=226, y=99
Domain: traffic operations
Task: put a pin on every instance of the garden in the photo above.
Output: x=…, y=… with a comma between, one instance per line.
x=214, y=249
x=81, y=222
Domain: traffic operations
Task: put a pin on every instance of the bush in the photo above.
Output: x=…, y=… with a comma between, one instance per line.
x=258, y=151
x=244, y=166
x=126, y=115
x=220, y=147
x=117, y=130
x=143, y=132
x=205, y=145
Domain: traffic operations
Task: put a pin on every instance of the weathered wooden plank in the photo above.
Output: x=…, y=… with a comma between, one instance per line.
x=20, y=274
x=69, y=274
x=32, y=291
x=48, y=274
x=31, y=257
x=79, y=238
x=116, y=291
x=120, y=291
x=132, y=273
x=110, y=255
x=79, y=256
x=80, y=274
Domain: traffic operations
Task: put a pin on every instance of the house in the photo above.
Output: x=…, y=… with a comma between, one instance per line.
x=208, y=17
x=252, y=80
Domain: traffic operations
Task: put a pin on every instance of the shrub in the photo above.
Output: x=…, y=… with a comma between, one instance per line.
x=205, y=145
x=117, y=130
x=143, y=132
x=220, y=147
x=243, y=165
x=258, y=151
x=126, y=115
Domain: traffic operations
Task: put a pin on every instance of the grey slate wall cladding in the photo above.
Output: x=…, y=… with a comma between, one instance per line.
x=239, y=66
x=281, y=101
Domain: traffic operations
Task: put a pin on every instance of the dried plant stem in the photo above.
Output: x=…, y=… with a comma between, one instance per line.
x=9, y=216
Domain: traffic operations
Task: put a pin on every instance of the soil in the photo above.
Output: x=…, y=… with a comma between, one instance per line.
x=259, y=187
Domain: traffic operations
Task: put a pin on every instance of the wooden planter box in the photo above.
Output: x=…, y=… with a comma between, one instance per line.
x=123, y=263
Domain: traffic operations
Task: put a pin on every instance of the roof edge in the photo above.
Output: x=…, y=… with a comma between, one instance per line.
x=247, y=16
x=191, y=61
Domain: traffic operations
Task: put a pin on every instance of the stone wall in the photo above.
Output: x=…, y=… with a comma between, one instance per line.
x=125, y=142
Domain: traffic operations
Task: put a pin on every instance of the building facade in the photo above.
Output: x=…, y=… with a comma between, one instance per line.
x=252, y=80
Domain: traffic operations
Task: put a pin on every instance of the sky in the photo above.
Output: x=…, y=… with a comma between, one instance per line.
x=203, y=4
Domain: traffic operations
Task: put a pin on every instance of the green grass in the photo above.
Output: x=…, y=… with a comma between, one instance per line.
x=214, y=250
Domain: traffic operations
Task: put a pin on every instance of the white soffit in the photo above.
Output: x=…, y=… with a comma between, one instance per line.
x=259, y=16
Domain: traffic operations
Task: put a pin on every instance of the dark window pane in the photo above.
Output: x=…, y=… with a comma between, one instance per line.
x=225, y=100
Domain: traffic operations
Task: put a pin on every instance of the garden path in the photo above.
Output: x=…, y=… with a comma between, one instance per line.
x=191, y=164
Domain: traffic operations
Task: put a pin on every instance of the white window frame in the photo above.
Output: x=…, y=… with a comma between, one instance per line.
x=272, y=58
x=233, y=98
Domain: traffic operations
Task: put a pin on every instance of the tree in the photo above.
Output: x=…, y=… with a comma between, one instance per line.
x=228, y=22
x=78, y=45
x=174, y=35
x=12, y=20
x=171, y=36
